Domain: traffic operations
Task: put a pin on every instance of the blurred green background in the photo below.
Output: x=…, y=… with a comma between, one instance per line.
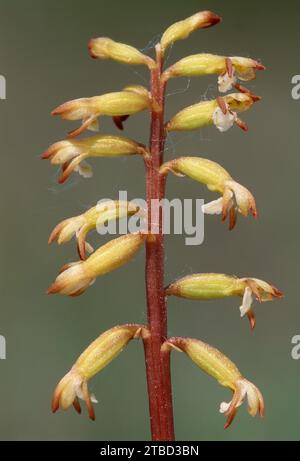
x=43, y=56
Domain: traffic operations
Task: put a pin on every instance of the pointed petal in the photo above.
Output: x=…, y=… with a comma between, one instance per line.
x=214, y=207
x=247, y=301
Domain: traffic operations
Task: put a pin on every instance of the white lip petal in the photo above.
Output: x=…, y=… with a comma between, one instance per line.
x=214, y=207
x=94, y=126
x=93, y=398
x=247, y=301
x=222, y=121
x=253, y=403
x=84, y=169
x=225, y=82
x=224, y=407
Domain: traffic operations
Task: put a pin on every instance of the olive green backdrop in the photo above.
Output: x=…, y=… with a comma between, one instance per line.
x=44, y=58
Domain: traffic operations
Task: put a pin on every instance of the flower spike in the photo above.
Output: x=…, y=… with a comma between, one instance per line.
x=76, y=277
x=74, y=385
x=217, y=365
x=214, y=286
x=71, y=154
x=235, y=197
x=111, y=104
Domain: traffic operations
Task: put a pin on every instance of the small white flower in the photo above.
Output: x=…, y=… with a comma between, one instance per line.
x=226, y=82
x=224, y=121
x=214, y=207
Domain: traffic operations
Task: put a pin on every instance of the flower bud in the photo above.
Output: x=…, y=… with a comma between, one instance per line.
x=111, y=104
x=76, y=277
x=99, y=354
x=217, y=365
x=236, y=198
x=213, y=286
x=228, y=69
x=210, y=113
x=96, y=216
x=71, y=154
x=182, y=29
x=105, y=48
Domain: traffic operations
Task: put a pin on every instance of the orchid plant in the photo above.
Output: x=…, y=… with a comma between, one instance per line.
x=76, y=277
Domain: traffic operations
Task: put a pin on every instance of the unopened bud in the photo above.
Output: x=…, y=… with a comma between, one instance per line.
x=99, y=354
x=217, y=365
x=76, y=277
x=182, y=29
x=105, y=48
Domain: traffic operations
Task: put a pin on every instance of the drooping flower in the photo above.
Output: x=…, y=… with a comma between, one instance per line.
x=74, y=385
x=79, y=226
x=220, y=112
x=71, y=154
x=122, y=103
x=213, y=286
x=235, y=197
x=217, y=365
x=76, y=277
x=228, y=69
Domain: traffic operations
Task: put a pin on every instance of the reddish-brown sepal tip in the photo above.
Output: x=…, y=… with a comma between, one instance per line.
x=45, y=155
x=222, y=104
x=242, y=125
x=90, y=48
x=52, y=290
x=245, y=90
x=119, y=120
x=252, y=319
x=77, y=406
x=260, y=66
x=213, y=19
x=58, y=110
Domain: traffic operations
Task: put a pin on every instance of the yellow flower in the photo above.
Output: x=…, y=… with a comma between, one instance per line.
x=213, y=286
x=229, y=69
x=76, y=277
x=122, y=103
x=220, y=112
x=235, y=197
x=71, y=154
x=79, y=226
x=217, y=365
x=74, y=385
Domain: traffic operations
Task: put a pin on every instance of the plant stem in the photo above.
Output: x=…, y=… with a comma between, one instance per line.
x=157, y=363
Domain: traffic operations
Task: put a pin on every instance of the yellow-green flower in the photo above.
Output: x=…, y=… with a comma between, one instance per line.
x=74, y=385
x=220, y=367
x=235, y=197
x=213, y=286
x=76, y=277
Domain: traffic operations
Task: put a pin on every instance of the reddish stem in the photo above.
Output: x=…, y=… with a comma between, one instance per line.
x=157, y=363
